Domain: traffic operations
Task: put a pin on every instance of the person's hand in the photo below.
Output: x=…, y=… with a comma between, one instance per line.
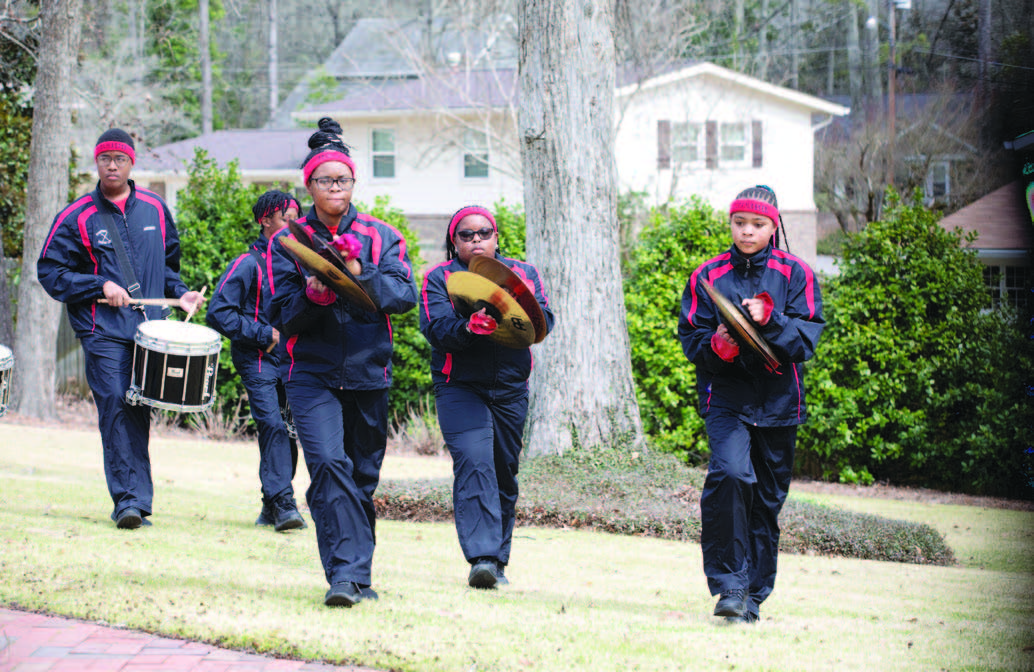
x=191, y=301
x=724, y=345
x=348, y=245
x=759, y=308
x=481, y=323
x=276, y=339
x=116, y=296
x=319, y=293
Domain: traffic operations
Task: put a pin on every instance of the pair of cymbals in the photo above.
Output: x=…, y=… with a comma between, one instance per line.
x=322, y=260
x=740, y=325
x=491, y=285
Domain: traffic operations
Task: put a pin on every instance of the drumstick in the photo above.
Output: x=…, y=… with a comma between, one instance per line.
x=148, y=302
x=190, y=313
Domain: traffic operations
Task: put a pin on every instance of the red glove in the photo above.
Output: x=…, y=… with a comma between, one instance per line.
x=727, y=350
x=481, y=323
x=348, y=245
x=769, y=305
x=322, y=298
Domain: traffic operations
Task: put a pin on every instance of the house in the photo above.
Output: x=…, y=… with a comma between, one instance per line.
x=1004, y=242
x=433, y=125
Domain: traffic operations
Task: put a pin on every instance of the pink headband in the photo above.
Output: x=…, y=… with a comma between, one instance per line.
x=471, y=210
x=114, y=146
x=324, y=157
x=758, y=207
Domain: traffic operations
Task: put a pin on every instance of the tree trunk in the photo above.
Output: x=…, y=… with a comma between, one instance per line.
x=854, y=60
x=206, y=68
x=582, y=391
x=274, y=77
x=32, y=386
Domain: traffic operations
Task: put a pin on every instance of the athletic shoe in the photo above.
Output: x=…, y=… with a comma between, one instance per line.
x=344, y=594
x=731, y=603
x=130, y=519
x=483, y=574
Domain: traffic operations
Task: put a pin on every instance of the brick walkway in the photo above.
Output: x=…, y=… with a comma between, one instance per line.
x=34, y=643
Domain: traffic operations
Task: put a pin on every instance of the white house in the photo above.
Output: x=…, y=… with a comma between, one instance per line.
x=436, y=136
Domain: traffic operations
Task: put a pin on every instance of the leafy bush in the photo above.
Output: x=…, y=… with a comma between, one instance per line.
x=653, y=494
x=215, y=224
x=674, y=242
x=914, y=382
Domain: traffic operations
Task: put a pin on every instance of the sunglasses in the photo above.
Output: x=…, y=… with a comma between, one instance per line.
x=467, y=235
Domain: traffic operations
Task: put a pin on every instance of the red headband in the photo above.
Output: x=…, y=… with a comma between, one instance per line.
x=470, y=210
x=755, y=206
x=324, y=157
x=114, y=146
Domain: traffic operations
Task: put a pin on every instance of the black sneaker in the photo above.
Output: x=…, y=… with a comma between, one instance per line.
x=265, y=518
x=747, y=617
x=130, y=519
x=500, y=577
x=286, y=516
x=732, y=603
x=368, y=593
x=344, y=594
x=483, y=573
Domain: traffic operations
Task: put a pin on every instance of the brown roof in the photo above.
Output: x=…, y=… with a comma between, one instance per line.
x=1001, y=219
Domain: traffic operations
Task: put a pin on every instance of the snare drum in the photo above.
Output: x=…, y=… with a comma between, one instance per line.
x=174, y=366
x=6, y=367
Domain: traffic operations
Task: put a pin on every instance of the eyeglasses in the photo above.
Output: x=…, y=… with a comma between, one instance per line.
x=106, y=160
x=467, y=235
x=325, y=183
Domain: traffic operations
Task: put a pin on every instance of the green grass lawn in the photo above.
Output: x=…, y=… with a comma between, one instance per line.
x=578, y=600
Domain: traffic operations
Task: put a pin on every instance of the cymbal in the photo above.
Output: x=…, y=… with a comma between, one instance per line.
x=470, y=293
x=740, y=325
x=337, y=279
x=503, y=275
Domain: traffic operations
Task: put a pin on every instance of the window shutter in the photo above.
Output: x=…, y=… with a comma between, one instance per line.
x=712, y=145
x=755, y=133
x=663, y=144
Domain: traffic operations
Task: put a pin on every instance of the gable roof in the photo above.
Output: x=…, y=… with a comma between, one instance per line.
x=705, y=69
x=254, y=150
x=1001, y=220
x=453, y=89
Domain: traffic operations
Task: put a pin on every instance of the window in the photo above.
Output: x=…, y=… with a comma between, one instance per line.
x=733, y=147
x=475, y=154
x=382, y=152
x=1009, y=285
x=938, y=181
x=686, y=141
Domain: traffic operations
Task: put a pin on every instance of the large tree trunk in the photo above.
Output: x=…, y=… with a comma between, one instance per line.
x=582, y=391
x=32, y=386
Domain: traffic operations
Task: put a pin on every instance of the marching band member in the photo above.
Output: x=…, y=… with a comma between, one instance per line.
x=238, y=310
x=337, y=367
x=118, y=242
x=481, y=396
x=751, y=410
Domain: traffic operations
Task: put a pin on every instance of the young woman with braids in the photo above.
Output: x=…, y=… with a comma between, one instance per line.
x=750, y=409
x=481, y=395
x=337, y=363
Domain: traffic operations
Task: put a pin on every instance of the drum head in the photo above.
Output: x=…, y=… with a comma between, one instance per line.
x=178, y=337
x=470, y=293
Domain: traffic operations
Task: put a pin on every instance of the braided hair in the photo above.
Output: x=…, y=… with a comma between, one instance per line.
x=762, y=200
x=271, y=202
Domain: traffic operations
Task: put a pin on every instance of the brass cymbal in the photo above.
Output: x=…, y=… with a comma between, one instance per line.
x=470, y=293
x=503, y=275
x=740, y=325
x=337, y=279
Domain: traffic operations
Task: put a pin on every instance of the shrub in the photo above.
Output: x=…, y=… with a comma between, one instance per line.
x=652, y=494
x=674, y=242
x=215, y=224
x=913, y=381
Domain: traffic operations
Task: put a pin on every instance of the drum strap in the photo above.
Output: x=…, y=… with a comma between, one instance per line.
x=120, y=251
